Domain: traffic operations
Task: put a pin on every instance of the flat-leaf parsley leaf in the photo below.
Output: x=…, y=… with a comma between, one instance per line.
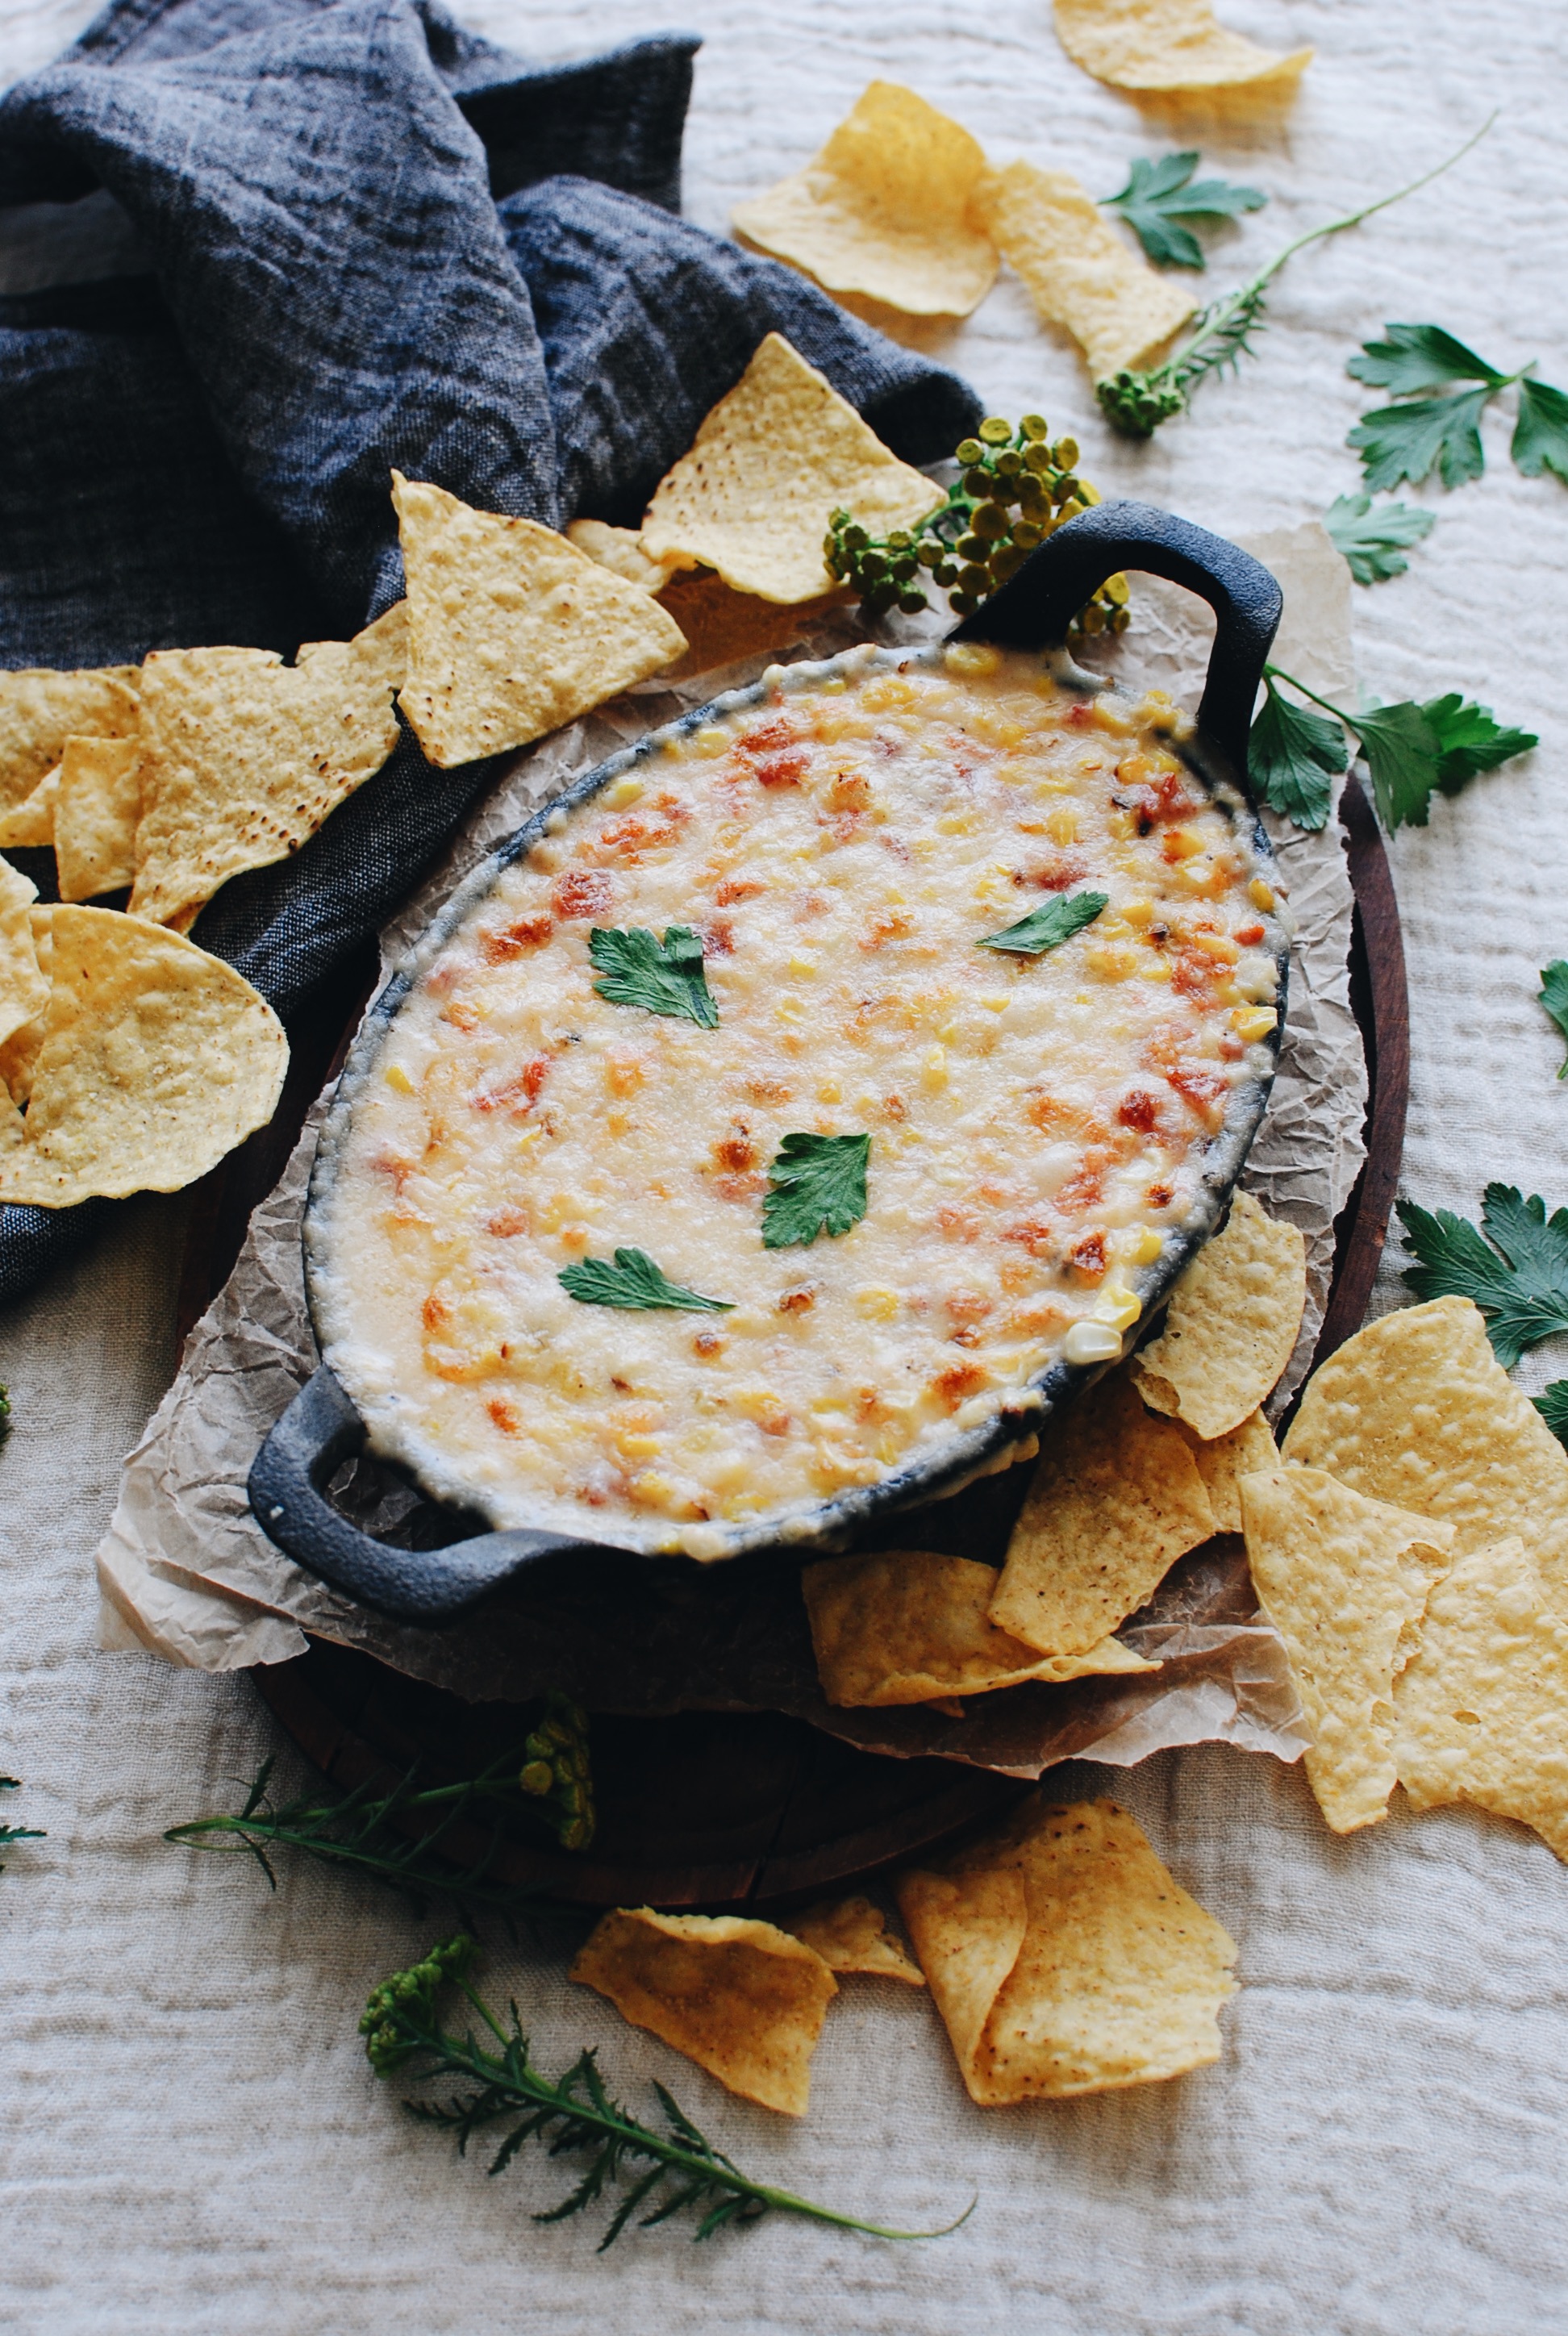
x=1292, y=756
x=1517, y=1276
x=1552, y=1403
x=817, y=1184
x=1428, y=433
x=1373, y=542
x=1047, y=927
x=1540, y=433
x=1554, y=996
x=636, y=1283
x=665, y=977
x=1159, y=196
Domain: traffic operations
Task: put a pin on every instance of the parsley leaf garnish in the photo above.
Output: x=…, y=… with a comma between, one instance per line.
x=1428, y=433
x=816, y=1184
x=1554, y=996
x=635, y=1282
x=1540, y=433
x=1409, y=750
x=1047, y=927
x=665, y=978
x=1552, y=1403
x=1372, y=541
x=1158, y=196
x=1520, y=1281
x=1292, y=756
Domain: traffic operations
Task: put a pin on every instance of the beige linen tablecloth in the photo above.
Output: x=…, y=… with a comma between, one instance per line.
x=193, y=2141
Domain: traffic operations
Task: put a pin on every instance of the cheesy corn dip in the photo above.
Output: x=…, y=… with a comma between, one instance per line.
x=1036, y=1123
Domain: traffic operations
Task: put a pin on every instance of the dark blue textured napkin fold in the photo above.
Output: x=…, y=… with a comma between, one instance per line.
x=375, y=241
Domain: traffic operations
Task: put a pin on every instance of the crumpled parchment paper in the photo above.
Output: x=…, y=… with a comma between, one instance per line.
x=185, y=1570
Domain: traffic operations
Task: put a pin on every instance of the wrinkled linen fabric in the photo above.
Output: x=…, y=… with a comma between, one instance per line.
x=200, y=454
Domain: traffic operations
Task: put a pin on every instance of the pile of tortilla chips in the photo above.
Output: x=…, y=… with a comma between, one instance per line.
x=1061, y=1955
x=1120, y=1492
x=1410, y=1555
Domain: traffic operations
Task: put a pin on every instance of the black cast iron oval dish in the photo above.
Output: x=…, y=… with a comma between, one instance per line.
x=322, y=1427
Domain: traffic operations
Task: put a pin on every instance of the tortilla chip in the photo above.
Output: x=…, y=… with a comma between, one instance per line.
x=620, y=549
x=742, y=1998
x=1170, y=44
x=512, y=631
x=1231, y=1324
x=1116, y=1498
x=39, y=709
x=853, y=1935
x=1483, y=1704
x=96, y=816
x=243, y=758
x=1343, y=1579
x=723, y=626
x=1417, y=1410
x=1065, y=1957
x=1221, y=1462
x=156, y=1061
x=908, y=1626
x=29, y=825
x=19, y=1053
x=23, y=985
x=885, y=208
x=771, y=464
x=1079, y=271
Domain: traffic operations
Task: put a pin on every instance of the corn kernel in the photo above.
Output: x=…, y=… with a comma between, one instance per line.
x=1181, y=844
x=651, y=1492
x=876, y=1302
x=958, y=823
x=623, y=790
x=803, y=969
x=1111, y=963
x=710, y=740
x=830, y=1091
x=1254, y=1022
x=1139, y=912
x=1157, y=969
x=397, y=1078
x=934, y=1070
x=789, y=1008
x=1217, y=945
x=997, y=1001
x=1118, y=1308
x=1062, y=824
x=1109, y=715
x=1261, y=895
x=1142, y=1246
x=639, y=1448
x=972, y=661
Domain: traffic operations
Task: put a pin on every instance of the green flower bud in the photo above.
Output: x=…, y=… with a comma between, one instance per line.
x=1037, y=458
x=1064, y=454
x=974, y=579
x=911, y=603
x=1034, y=426
x=1006, y=561
x=963, y=604
x=873, y=567
x=969, y=449
x=988, y=523
x=971, y=546
x=900, y=539
x=536, y=1778
x=945, y=573
x=856, y=537
x=1120, y=619
x=1027, y=534
x=1009, y=465
x=977, y=483
x=929, y=552
x=1092, y=619
x=904, y=568
x=995, y=432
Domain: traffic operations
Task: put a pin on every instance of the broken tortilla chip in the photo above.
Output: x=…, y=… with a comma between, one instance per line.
x=23, y=985
x=1079, y=271
x=1065, y=1957
x=1482, y=1706
x=885, y=209
x=243, y=758
x=513, y=630
x=853, y=1935
x=29, y=825
x=743, y=1999
x=910, y=1626
x=620, y=549
x=19, y=1052
x=96, y=815
x=723, y=626
x=1116, y=1498
x=770, y=465
x=1223, y=1460
x=39, y=709
x=1343, y=1579
x=156, y=1061
x=1417, y=1410
x=1230, y=1325
x=1170, y=44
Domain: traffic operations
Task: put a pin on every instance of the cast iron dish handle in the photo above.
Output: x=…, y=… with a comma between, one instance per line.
x=321, y=1427
x=318, y=1432
x=1037, y=603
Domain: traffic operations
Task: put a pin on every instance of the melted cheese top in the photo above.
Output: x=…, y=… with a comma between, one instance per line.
x=1036, y=1123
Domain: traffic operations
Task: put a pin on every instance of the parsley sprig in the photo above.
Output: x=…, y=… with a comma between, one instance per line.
x=1048, y=926
x=668, y=2173
x=817, y=1184
x=1160, y=197
x=1373, y=542
x=1411, y=751
x=1515, y=1268
x=636, y=1283
x=10, y=1833
x=663, y=976
x=1554, y=996
x=1223, y=333
x=1423, y=430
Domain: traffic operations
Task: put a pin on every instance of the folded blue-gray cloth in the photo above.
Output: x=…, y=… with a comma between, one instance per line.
x=372, y=241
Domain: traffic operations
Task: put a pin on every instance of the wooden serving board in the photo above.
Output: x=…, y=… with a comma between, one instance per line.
x=733, y=1809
